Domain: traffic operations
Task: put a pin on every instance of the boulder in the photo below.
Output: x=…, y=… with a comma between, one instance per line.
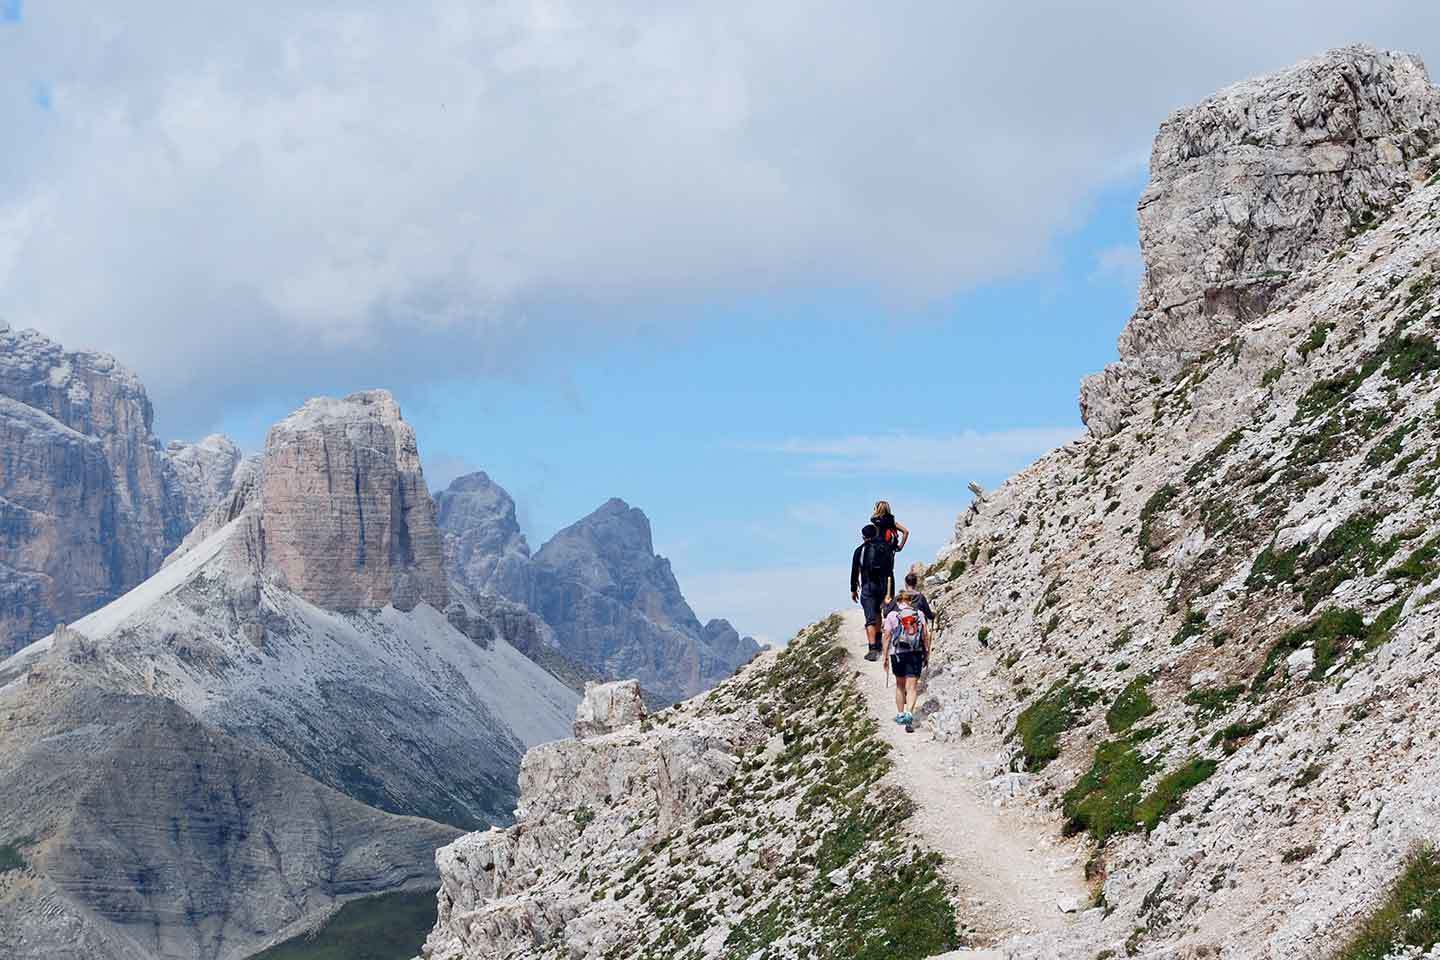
x=605, y=707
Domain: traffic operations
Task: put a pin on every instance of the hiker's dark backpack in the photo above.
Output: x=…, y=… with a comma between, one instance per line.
x=877, y=560
x=909, y=633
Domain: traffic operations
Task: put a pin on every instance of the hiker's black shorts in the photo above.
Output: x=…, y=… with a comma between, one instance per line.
x=871, y=599
x=908, y=664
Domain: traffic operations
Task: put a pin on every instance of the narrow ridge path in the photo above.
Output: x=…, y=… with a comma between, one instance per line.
x=1012, y=874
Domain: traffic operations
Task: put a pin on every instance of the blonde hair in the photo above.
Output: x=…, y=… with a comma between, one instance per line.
x=882, y=509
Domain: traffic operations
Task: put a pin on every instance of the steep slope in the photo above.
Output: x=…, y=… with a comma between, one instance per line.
x=146, y=834
x=1205, y=633
x=754, y=822
x=306, y=622
x=90, y=502
x=612, y=604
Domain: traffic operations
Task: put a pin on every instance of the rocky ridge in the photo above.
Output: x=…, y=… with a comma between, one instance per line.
x=613, y=605
x=1234, y=703
x=751, y=822
x=90, y=501
x=305, y=636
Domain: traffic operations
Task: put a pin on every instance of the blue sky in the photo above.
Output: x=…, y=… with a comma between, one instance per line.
x=740, y=434
x=749, y=265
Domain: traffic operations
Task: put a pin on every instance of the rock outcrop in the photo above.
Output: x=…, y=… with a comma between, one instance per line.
x=1253, y=188
x=606, y=707
x=1204, y=636
x=611, y=604
x=349, y=523
x=706, y=831
x=322, y=693
x=203, y=475
x=90, y=502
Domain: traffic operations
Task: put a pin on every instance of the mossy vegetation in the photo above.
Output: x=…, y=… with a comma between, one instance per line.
x=1207, y=464
x=1103, y=801
x=1408, y=915
x=1166, y=796
x=375, y=928
x=1331, y=634
x=1192, y=626
x=1131, y=704
x=1158, y=503
x=1041, y=724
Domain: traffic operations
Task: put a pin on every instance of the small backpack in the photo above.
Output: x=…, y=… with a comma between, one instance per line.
x=909, y=633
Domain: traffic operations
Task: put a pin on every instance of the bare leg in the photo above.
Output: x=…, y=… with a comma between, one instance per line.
x=872, y=634
x=899, y=694
x=912, y=693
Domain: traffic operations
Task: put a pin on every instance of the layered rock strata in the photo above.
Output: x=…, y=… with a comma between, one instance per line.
x=90, y=502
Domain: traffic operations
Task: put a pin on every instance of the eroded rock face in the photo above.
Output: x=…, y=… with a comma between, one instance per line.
x=616, y=607
x=203, y=473
x=606, y=707
x=90, y=503
x=484, y=548
x=610, y=603
x=348, y=523
x=1252, y=188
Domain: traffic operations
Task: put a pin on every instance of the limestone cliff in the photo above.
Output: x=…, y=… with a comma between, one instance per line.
x=90, y=502
x=1251, y=190
x=348, y=521
x=1204, y=635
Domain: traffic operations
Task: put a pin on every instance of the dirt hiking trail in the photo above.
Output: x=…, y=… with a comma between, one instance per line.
x=1012, y=874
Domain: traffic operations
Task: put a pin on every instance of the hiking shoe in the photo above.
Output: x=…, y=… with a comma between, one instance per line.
x=872, y=654
x=910, y=728
x=899, y=718
x=907, y=718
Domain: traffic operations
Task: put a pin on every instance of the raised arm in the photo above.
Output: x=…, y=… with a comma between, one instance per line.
x=904, y=535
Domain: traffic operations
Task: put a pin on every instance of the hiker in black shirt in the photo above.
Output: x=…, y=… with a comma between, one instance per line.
x=872, y=578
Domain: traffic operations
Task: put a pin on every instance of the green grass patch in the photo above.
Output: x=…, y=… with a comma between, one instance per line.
x=1407, y=916
x=1103, y=801
x=1158, y=503
x=376, y=928
x=1040, y=725
x=1331, y=633
x=1319, y=333
x=1230, y=738
x=1207, y=464
x=1192, y=626
x=1132, y=704
x=1272, y=568
x=1166, y=796
x=1421, y=566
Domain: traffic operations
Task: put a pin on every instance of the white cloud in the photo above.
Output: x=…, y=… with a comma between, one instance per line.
x=968, y=454
x=240, y=195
